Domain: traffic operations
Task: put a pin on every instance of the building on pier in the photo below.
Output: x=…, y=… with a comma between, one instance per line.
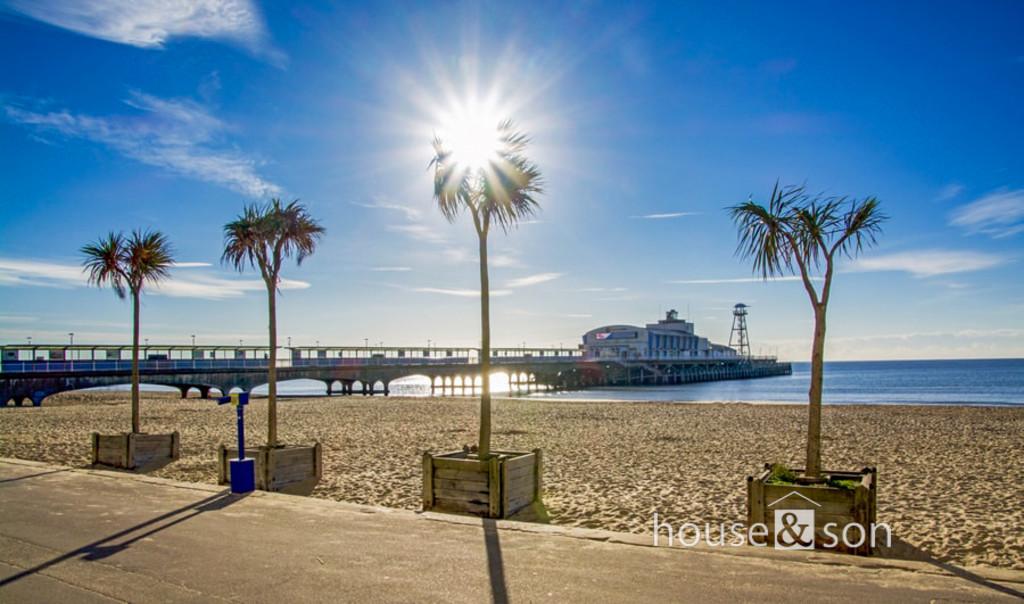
x=669, y=338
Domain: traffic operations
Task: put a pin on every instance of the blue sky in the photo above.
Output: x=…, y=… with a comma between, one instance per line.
x=647, y=120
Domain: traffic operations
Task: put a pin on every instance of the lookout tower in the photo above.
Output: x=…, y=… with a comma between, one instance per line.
x=739, y=338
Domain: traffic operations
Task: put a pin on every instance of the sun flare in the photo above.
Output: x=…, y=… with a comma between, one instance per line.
x=470, y=131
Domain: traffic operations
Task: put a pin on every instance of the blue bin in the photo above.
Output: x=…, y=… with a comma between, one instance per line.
x=243, y=475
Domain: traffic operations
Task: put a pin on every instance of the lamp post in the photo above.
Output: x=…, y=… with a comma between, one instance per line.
x=71, y=338
x=193, y=340
x=289, y=341
x=366, y=342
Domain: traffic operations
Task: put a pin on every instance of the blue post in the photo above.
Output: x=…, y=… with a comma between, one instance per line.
x=242, y=470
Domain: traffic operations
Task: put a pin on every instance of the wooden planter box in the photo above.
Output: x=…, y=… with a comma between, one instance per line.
x=294, y=469
x=830, y=505
x=135, y=450
x=497, y=487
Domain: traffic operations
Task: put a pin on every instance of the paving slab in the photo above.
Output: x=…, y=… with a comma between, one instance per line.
x=97, y=536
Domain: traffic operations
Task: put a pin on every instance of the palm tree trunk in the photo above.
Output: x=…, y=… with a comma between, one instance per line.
x=135, y=361
x=813, y=468
x=484, y=448
x=272, y=369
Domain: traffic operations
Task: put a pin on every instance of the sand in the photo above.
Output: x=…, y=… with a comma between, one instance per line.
x=950, y=478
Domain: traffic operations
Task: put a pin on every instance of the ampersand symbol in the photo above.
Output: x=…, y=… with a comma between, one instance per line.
x=794, y=536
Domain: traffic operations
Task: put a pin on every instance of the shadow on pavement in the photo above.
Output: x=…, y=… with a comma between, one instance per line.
x=907, y=551
x=106, y=547
x=495, y=564
x=27, y=476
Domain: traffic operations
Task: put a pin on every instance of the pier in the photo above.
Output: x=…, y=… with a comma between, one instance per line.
x=30, y=373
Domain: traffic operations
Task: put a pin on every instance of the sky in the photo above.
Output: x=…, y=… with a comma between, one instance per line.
x=647, y=121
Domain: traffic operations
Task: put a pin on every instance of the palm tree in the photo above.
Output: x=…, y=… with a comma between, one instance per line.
x=128, y=264
x=500, y=192
x=262, y=237
x=806, y=233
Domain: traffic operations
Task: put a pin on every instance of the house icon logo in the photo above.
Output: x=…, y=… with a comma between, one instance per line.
x=794, y=526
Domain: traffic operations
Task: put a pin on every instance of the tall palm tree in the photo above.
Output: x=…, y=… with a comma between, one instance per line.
x=128, y=264
x=500, y=192
x=800, y=232
x=262, y=237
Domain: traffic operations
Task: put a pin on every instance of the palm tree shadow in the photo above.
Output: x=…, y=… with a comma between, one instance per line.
x=108, y=546
x=905, y=550
x=495, y=562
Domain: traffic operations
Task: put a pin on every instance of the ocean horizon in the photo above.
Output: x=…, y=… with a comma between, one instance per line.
x=989, y=382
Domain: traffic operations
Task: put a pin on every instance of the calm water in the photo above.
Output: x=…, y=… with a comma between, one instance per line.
x=966, y=382
x=963, y=382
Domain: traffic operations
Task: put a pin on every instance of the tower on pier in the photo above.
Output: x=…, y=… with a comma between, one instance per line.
x=739, y=338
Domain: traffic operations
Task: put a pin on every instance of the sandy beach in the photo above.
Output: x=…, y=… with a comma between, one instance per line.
x=948, y=476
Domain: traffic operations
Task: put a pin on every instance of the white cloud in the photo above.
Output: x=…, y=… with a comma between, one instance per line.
x=462, y=293
x=410, y=212
x=949, y=191
x=175, y=134
x=419, y=232
x=151, y=23
x=928, y=263
x=601, y=289
x=737, y=280
x=191, y=264
x=533, y=279
x=391, y=269
x=999, y=214
x=36, y=273
x=665, y=216
x=504, y=261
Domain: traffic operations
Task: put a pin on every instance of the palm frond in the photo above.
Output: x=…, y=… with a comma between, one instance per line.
x=104, y=260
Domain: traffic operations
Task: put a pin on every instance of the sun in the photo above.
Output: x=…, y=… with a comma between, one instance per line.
x=469, y=130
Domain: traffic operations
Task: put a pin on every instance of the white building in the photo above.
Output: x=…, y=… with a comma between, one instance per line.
x=669, y=338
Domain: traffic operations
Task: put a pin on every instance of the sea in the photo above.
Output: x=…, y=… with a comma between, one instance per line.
x=952, y=382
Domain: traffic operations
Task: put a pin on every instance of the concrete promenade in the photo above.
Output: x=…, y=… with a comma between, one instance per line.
x=93, y=536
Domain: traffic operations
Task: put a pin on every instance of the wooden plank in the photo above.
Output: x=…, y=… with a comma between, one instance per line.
x=95, y=446
x=494, y=487
x=462, y=465
x=222, y=465
x=461, y=485
x=538, y=474
x=457, y=475
x=318, y=460
x=520, y=473
x=523, y=461
x=453, y=495
x=517, y=503
x=449, y=505
x=175, y=445
x=428, y=481
x=523, y=484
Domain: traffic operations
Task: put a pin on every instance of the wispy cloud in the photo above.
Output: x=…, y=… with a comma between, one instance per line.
x=533, y=279
x=179, y=135
x=999, y=214
x=210, y=286
x=391, y=269
x=597, y=290
x=420, y=232
x=462, y=293
x=949, y=191
x=665, y=216
x=735, y=280
x=410, y=212
x=191, y=264
x=929, y=263
x=151, y=23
